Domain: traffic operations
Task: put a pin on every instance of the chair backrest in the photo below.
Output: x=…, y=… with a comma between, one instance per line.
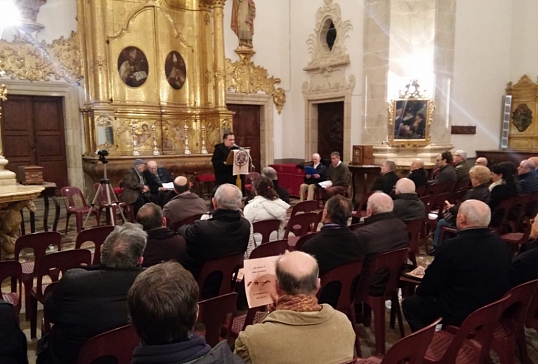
x=118, y=343
x=226, y=267
x=390, y=262
x=459, y=194
x=303, y=239
x=520, y=209
x=186, y=221
x=252, y=177
x=421, y=190
x=532, y=312
x=73, y=197
x=364, y=201
x=265, y=228
x=499, y=215
x=11, y=269
x=305, y=206
x=437, y=202
x=213, y=313
x=59, y=261
x=412, y=348
x=426, y=199
x=344, y=275
x=38, y=242
x=413, y=230
x=269, y=249
x=480, y=324
x=357, y=226
x=462, y=183
x=97, y=236
x=437, y=188
x=515, y=308
x=301, y=224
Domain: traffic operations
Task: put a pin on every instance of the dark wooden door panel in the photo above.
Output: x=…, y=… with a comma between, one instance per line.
x=17, y=131
x=246, y=126
x=330, y=128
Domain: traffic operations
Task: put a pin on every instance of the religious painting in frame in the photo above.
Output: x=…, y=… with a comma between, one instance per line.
x=133, y=66
x=175, y=70
x=410, y=121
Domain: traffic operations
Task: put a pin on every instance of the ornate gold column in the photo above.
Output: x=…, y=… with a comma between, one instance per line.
x=99, y=64
x=220, y=68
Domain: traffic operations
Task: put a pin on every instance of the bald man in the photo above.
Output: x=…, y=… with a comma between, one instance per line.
x=382, y=232
x=155, y=177
x=417, y=173
x=468, y=272
x=528, y=179
x=300, y=330
x=407, y=206
x=481, y=161
x=310, y=180
x=185, y=204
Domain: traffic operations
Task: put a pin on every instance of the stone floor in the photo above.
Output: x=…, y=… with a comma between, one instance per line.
x=366, y=334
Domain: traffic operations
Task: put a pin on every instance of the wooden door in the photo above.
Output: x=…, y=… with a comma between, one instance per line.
x=33, y=134
x=246, y=127
x=330, y=128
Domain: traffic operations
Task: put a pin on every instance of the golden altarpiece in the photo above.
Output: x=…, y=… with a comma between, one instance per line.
x=523, y=126
x=155, y=82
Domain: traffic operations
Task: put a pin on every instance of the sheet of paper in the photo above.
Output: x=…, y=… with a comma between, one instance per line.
x=325, y=184
x=260, y=281
x=169, y=185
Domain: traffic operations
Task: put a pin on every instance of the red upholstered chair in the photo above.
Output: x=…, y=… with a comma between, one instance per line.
x=452, y=345
x=213, y=314
x=392, y=262
x=118, y=343
x=305, y=206
x=301, y=241
x=226, y=268
x=97, y=236
x=13, y=270
x=409, y=350
x=344, y=277
x=38, y=243
x=414, y=228
x=111, y=209
x=301, y=224
x=204, y=182
x=49, y=265
x=265, y=228
x=186, y=221
x=511, y=328
x=269, y=249
x=75, y=203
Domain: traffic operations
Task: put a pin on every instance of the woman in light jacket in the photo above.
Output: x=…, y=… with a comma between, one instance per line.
x=266, y=205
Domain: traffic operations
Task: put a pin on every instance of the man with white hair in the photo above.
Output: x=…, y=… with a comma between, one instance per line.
x=382, y=232
x=468, y=272
x=385, y=183
x=481, y=161
x=270, y=173
x=461, y=167
x=311, y=180
x=155, y=176
x=407, y=206
x=417, y=173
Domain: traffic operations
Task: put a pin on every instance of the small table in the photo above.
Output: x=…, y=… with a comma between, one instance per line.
x=49, y=191
x=362, y=178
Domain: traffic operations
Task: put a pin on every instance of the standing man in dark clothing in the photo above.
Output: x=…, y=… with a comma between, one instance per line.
x=224, y=173
x=388, y=178
x=417, y=173
x=468, y=272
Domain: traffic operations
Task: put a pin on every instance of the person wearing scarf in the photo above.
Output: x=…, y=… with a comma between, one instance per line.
x=163, y=305
x=299, y=330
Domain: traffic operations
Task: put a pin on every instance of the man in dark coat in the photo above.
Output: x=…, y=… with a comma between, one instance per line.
x=446, y=171
x=524, y=267
x=528, y=179
x=13, y=348
x=388, y=178
x=468, y=272
x=417, y=173
x=155, y=176
x=87, y=302
x=163, y=244
x=185, y=204
x=310, y=181
x=407, y=206
x=164, y=321
x=223, y=172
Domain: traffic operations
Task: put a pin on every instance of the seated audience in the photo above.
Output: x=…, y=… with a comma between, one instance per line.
x=226, y=232
x=524, y=267
x=266, y=205
x=270, y=173
x=185, y=204
x=163, y=244
x=338, y=175
x=155, y=177
x=528, y=179
x=460, y=165
x=89, y=301
x=407, y=206
x=503, y=186
x=163, y=305
x=386, y=182
x=135, y=188
x=311, y=180
x=480, y=177
x=468, y=272
x=300, y=330
x=417, y=173
x=13, y=348
x=481, y=161
x=446, y=171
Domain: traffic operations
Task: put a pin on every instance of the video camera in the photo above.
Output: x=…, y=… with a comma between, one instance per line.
x=102, y=153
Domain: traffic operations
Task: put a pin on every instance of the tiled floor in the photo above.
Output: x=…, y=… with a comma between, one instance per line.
x=366, y=334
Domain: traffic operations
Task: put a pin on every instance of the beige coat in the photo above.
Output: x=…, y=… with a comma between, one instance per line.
x=290, y=337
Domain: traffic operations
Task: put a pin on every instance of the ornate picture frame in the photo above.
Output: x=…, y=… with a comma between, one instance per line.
x=410, y=122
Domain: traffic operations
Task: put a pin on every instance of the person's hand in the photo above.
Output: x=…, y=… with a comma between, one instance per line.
x=316, y=176
x=146, y=189
x=163, y=189
x=308, y=175
x=448, y=204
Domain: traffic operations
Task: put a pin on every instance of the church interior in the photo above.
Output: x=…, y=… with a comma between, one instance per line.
x=164, y=80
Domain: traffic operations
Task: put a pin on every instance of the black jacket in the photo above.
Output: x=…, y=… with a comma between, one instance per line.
x=480, y=193
x=529, y=182
x=12, y=340
x=385, y=183
x=223, y=173
x=164, y=245
x=446, y=174
x=419, y=176
x=282, y=192
x=322, y=171
x=408, y=207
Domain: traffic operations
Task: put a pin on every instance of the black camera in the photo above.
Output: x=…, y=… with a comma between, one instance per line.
x=102, y=153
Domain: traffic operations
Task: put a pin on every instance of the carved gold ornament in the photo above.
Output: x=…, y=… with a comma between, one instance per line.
x=26, y=59
x=244, y=76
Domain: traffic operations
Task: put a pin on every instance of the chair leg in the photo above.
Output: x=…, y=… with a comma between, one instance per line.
x=27, y=306
x=33, y=316
x=378, y=306
x=67, y=222
x=522, y=347
x=396, y=304
x=78, y=216
x=353, y=320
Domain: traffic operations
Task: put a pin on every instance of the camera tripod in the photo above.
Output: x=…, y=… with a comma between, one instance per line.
x=110, y=206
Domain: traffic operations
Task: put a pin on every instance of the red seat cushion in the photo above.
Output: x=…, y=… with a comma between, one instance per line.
x=205, y=177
